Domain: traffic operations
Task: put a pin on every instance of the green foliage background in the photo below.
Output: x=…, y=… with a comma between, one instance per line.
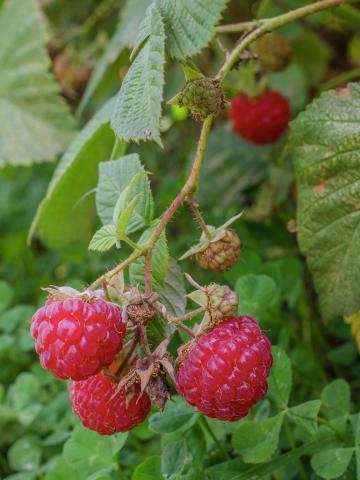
x=308, y=425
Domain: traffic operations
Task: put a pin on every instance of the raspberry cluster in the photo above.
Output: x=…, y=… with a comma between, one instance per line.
x=76, y=337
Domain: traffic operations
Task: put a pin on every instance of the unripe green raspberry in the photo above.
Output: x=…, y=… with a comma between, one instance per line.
x=222, y=254
x=274, y=52
x=203, y=97
x=222, y=301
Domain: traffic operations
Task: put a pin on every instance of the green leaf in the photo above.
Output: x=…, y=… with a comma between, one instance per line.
x=150, y=469
x=35, y=124
x=88, y=452
x=305, y=415
x=287, y=459
x=60, y=470
x=104, y=238
x=280, y=380
x=159, y=261
x=189, y=24
x=172, y=292
x=196, y=444
x=66, y=213
x=156, y=331
x=19, y=315
x=257, y=440
x=313, y=54
x=176, y=415
x=23, y=476
x=173, y=459
x=125, y=216
x=138, y=105
x=6, y=295
x=124, y=37
x=332, y=463
x=258, y=294
x=232, y=165
x=335, y=398
x=325, y=139
x=23, y=391
x=25, y=454
x=114, y=178
x=287, y=273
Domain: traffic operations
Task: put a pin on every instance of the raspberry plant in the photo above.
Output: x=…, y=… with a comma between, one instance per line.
x=187, y=340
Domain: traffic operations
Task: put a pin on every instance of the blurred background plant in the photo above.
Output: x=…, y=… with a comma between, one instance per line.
x=88, y=43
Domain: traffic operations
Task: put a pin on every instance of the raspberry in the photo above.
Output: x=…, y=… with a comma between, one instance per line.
x=203, y=97
x=100, y=408
x=76, y=338
x=222, y=254
x=225, y=373
x=274, y=52
x=222, y=301
x=260, y=120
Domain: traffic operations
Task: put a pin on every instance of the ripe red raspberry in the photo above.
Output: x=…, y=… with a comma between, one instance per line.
x=261, y=120
x=100, y=408
x=225, y=373
x=76, y=338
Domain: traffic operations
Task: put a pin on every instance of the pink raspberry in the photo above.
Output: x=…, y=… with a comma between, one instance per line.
x=100, y=408
x=76, y=338
x=225, y=373
x=261, y=120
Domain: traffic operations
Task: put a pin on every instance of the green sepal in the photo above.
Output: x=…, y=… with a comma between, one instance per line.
x=215, y=235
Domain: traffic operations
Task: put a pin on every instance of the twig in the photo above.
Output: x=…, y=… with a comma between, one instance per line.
x=261, y=27
x=174, y=321
x=198, y=216
x=272, y=23
x=143, y=339
x=188, y=316
x=266, y=25
x=189, y=187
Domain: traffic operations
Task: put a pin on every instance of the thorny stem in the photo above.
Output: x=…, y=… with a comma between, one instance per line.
x=276, y=22
x=174, y=321
x=105, y=289
x=190, y=186
x=189, y=315
x=266, y=25
x=198, y=216
x=187, y=189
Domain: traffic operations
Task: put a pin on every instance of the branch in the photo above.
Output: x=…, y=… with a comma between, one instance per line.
x=266, y=25
x=285, y=18
x=189, y=188
x=198, y=216
x=262, y=26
